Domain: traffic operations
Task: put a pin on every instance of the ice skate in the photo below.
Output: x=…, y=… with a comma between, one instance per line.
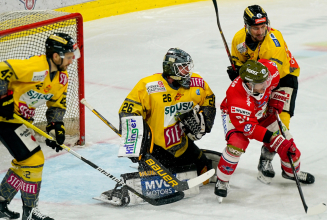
x=30, y=213
x=221, y=190
x=5, y=213
x=265, y=171
x=116, y=196
x=303, y=177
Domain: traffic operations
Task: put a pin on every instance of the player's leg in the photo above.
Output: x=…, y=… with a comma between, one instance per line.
x=236, y=146
x=26, y=171
x=287, y=172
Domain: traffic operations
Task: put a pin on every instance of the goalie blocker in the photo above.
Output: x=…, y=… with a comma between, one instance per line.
x=149, y=184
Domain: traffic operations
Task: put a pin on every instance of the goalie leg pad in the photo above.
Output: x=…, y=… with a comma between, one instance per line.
x=214, y=157
x=148, y=183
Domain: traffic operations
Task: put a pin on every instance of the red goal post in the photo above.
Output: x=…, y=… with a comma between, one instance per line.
x=23, y=34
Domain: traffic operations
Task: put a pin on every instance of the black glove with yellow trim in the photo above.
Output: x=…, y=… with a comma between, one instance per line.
x=56, y=130
x=7, y=107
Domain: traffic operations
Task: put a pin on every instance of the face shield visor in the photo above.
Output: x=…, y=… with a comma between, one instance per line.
x=71, y=55
x=257, y=90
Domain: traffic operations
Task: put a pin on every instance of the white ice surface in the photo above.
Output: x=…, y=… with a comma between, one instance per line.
x=121, y=50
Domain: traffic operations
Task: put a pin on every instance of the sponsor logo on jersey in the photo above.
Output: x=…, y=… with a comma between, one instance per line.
x=35, y=99
x=154, y=87
x=235, y=81
x=178, y=96
x=25, y=111
x=155, y=187
x=39, y=76
x=259, y=104
x=241, y=47
x=247, y=127
x=260, y=20
x=197, y=91
x=224, y=118
x=248, y=100
x=20, y=184
x=173, y=135
x=63, y=79
x=178, y=107
x=277, y=44
x=47, y=89
x=197, y=82
x=29, y=4
x=241, y=111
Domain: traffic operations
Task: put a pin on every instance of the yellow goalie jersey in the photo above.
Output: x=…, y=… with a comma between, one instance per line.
x=159, y=104
x=273, y=48
x=30, y=82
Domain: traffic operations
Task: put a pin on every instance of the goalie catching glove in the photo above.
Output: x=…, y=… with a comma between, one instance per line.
x=193, y=123
x=57, y=131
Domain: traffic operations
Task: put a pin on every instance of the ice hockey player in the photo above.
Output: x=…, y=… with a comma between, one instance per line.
x=257, y=40
x=178, y=107
x=24, y=86
x=248, y=112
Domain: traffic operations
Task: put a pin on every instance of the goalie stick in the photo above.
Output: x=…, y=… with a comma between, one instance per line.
x=318, y=209
x=156, y=166
x=156, y=202
x=222, y=35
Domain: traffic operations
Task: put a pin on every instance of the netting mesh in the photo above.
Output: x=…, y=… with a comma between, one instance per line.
x=19, y=41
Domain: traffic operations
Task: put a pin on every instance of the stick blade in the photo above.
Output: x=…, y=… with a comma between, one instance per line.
x=175, y=197
x=200, y=179
x=318, y=209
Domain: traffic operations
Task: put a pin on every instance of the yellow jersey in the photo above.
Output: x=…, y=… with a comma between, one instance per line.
x=159, y=104
x=30, y=82
x=272, y=48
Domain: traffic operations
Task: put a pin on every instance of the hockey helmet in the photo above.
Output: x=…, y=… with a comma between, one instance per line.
x=257, y=75
x=61, y=43
x=255, y=15
x=178, y=64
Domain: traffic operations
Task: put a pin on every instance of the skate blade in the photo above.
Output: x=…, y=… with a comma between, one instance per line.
x=114, y=202
x=264, y=179
x=220, y=199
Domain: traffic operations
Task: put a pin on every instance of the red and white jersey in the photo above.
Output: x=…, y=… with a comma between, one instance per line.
x=245, y=111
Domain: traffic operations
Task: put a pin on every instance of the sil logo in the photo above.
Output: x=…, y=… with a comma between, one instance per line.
x=29, y=4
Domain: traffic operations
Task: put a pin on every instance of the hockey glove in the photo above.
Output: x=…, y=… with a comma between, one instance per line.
x=276, y=102
x=282, y=146
x=232, y=73
x=57, y=131
x=7, y=107
x=193, y=123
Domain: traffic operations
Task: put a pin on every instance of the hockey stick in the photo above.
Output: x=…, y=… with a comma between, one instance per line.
x=318, y=209
x=160, y=201
x=156, y=166
x=222, y=35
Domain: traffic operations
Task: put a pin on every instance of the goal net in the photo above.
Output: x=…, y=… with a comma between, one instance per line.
x=23, y=34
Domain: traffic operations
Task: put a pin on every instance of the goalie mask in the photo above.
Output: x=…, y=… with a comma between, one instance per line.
x=178, y=64
x=255, y=15
x=256, y=78
x=61, y=43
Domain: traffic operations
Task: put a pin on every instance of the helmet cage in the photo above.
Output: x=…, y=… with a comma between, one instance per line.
x=178, y=65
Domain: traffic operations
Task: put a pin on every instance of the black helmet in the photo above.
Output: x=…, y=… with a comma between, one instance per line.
x=61, y=43
x=175, y=61
x=254, y=15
